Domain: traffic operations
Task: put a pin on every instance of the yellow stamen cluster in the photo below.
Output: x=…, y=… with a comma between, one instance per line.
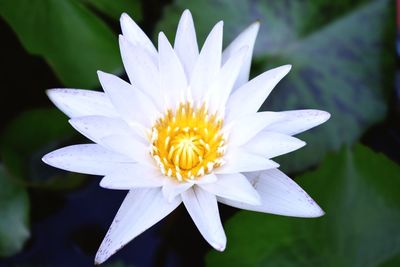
x=188, y=143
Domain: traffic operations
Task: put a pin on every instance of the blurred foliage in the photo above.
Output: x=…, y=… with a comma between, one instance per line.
x=27, y=139
x=70, y=37
x=14, y=213
x=115, y=8
x=345, y=58
x=360, y=228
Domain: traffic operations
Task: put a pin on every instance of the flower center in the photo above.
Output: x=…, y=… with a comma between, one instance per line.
x=188, y=143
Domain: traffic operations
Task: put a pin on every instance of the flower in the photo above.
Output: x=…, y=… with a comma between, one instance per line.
x=185, y=130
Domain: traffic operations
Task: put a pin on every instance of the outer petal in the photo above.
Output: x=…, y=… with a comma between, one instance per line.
x=239, y=160
x=271, y=144
x=279, y=195
x=136, y=36
x=208, y=63
x=246, y=38
x=133, y=176
x=128, y=146
x=297, y=121
x=252, y=95
x=97, y=127
x=221, y=88
x=173, y=82
x=246, y=127
x=186, y=43
x=203, y=208
x=235, y=187
x=141, y=209
x=131, y=103
x=89, y=159
x=142, y=69
x=77, y=102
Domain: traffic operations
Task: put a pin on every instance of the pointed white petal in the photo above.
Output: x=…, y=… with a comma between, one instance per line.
x=279, y=195
x=219, y=91
x=141, y=209
x=203, y=208
x=97, y=127
x=185, y=44
x=246, y=127
x=77, y=102
x=142, y=70
x=272, y=144
x=135, y=35
x=172, y=188
x=173, y=82
x=239, y=160
x=248, y=98
x=206, y=179
x=88, y=159
x=131, y=103
x=245, y=38
x=297, y=121
x=208, y=63
x=133, y=176
x=235, y=187
x=130, y=147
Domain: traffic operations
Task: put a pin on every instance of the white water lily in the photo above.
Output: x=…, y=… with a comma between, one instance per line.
x=186, y=129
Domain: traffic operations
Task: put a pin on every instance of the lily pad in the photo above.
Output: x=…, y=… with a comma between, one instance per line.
x=359, y=191
x=70, y=37
x=341, y=52
x=115, y=8
x=14, y=213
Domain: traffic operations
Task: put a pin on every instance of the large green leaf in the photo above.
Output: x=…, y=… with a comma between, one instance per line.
x=115, y=8
x=14, y=214
x=360, y=193
x=340, y=52
x=69, y=36
x=27, y=139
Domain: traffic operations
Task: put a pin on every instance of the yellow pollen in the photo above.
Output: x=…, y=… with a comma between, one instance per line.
x=189, y=141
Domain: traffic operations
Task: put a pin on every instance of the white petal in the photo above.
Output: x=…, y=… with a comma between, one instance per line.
x=221, y=88
x=245, y=38
x=141, y=209
x=271, y=144
x=206, y=179
x=132, y=104
x=77, y=102
x=279, y=195
x=97, y=127
x=133, y=176
x=89, y=159
x=186, y=43
x=246, y=127
x=136, y=36
x=203, y=208
x=248, y=98
x=235, y=187
x=142, y=70
x=208, y=63
x=239, y=160
x=130, y=147
x=173, y=82
x=297, y=121
x=172, y=188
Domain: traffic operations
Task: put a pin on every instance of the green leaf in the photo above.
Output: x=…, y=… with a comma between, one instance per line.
x=115, y=8
x=360, y=193
x=73, y=41
x=341, y=54
x=14, y=213
x=27, y=139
